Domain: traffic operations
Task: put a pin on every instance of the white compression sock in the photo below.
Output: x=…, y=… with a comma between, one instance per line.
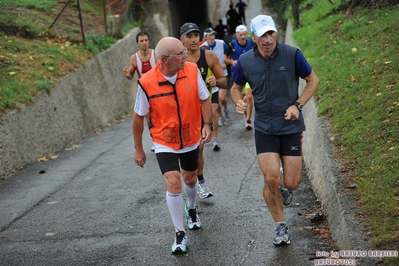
x=175, y=205
x=191, y=193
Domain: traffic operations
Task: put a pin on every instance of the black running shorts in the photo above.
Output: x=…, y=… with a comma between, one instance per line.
x=285, y=145
x=169, y=161
x=215, y=97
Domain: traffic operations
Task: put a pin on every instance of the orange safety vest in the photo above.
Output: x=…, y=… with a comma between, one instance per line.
x=175, y=109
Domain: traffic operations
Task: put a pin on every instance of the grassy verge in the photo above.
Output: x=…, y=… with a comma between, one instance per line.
x=32, y=66
x=355, y=54
x=33, y=58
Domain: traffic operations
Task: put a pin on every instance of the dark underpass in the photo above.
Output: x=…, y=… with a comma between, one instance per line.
x=182, y=11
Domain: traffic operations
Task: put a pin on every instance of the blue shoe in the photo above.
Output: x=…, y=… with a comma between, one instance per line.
x=287, y=195
x=281, y=237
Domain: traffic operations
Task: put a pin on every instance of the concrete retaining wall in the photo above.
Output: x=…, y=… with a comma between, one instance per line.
x=81, y=102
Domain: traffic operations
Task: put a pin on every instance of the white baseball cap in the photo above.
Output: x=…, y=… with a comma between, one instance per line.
x=241, y=28
x=261, y=24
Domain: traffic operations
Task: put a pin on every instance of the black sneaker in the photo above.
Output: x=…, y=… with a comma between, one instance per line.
x=248, y=125
x=180, y=244
x=193, y=220
x=216, y=146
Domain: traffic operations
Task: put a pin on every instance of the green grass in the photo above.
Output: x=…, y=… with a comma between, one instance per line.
x=355, y=54
x=31, y=66
x=33, y=58
x=44, y=4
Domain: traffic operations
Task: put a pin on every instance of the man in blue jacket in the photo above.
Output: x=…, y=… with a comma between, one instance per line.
x=273, y=70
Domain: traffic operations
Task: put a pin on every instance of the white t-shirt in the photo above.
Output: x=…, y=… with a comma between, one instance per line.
x=142, y=107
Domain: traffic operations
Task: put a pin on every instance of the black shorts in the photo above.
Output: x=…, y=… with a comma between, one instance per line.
x=169, y=161
x=285, y=145
x=215, y=97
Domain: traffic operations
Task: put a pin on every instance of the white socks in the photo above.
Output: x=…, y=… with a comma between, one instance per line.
x=191, y=193
x=175, y=204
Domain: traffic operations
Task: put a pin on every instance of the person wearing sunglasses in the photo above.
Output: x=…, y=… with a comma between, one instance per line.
x=176, y=97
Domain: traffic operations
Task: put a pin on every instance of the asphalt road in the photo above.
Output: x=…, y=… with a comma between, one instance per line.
x=93, y=206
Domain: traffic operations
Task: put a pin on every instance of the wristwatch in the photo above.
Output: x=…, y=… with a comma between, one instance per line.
x=299, y=106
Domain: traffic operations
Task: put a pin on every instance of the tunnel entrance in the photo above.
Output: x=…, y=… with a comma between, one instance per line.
x=182, y=11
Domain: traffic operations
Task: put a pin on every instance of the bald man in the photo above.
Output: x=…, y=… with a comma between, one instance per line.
x=175, y=95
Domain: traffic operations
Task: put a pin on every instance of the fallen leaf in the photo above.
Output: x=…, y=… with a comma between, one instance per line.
x=73, y=147
x=42, y=159
x=352, y=78
x=52, y=202
x=375, y=167
x=51, y=234
x=53, y=157
x=12, y=73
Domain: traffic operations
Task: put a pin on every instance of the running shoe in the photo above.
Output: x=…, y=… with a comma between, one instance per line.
x=216, y=146
x=193, y=220
x=153, y=148
x=221, y=121
x=287, y=195
x=180, y=244
x=281, y=237
x=248, y=126
x=204, y=191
